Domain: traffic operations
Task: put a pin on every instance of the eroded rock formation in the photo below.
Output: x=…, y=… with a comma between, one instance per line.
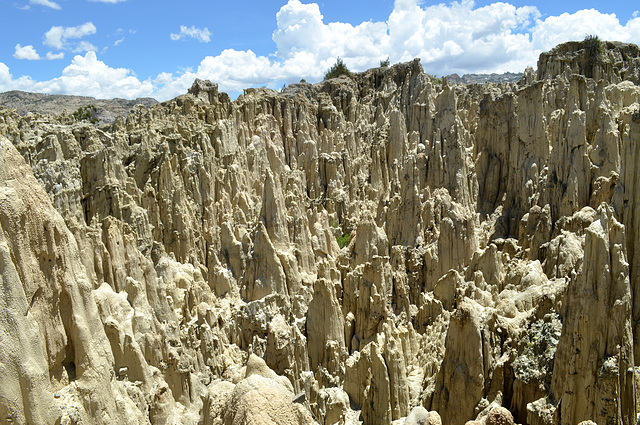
x=181, y=265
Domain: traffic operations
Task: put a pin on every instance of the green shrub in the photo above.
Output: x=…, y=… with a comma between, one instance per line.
x=86, y=113
x=385, y=63
x=435, y=79
x=343, y=240
x=593, y=47
x=338, y=69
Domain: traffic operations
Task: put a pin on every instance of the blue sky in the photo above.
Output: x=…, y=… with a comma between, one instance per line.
x=134, y=48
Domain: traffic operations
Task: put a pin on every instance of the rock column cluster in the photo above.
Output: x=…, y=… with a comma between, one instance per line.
x=182, y=264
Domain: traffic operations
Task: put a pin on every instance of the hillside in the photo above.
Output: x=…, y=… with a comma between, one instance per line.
x=55, y=104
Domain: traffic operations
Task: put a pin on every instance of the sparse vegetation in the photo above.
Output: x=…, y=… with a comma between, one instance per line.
x=86, y=113
x=593, y=47
x=385, y=63
x=343, y=240
x=435, y=79
x=338, y=69
x=636, y=116
x=537, y=351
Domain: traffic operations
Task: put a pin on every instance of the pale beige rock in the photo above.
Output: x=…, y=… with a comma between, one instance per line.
x=421, y=416
x=571, y=58
x=541, y=412
x=163, y=406
x=499, y=416
x=194, y=233
x=367, y=383
x=600, y=302
x=216, y=399
x=325, y=323
x=460, y=383
x=335, y=407
x=265, y=273
x=24, y=362
x=535, y=229
x=42, y=263
x=263, y=397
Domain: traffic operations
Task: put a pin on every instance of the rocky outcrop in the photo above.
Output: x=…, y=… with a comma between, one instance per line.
x=55, y=342
x=597, y=334
x=375, y=249
x=601, y=60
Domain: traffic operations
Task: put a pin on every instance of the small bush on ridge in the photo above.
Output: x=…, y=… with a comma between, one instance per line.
x=338, y=69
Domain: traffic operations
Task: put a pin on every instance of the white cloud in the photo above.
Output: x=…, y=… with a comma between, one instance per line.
x=459, y=37
x=84, y=46
x=87, y=76
x=5, y=76
x=558, y=29
x=53, y=56
x=452, y=37
x=26, y=52
x=29, y=53
x=203, y=35
x=46, y=3
x=455, y=37
x=8, y=83
x=58, y=37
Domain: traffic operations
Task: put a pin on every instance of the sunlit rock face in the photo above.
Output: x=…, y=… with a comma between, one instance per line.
x=376, y=249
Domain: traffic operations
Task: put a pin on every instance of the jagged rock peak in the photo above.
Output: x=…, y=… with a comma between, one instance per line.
x=204, y=89
x=370, y=249
x=612, y=61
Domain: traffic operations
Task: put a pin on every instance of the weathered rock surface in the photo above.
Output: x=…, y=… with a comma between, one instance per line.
x=181, y=265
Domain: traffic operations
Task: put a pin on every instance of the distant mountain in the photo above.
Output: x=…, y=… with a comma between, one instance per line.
x=106, y=109
x=507, y=77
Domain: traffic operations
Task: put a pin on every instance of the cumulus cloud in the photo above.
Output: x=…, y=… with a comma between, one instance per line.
x=58, y=37
x=29, y=53
x=448, y=38
x=235, y=70
x=87, y=76
x=558, y=29
x=46, y=3
x=453, y=37
x=26, y=52
x=301, y=29
x=54, y=56
x=7, y=82
x=203, y=35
